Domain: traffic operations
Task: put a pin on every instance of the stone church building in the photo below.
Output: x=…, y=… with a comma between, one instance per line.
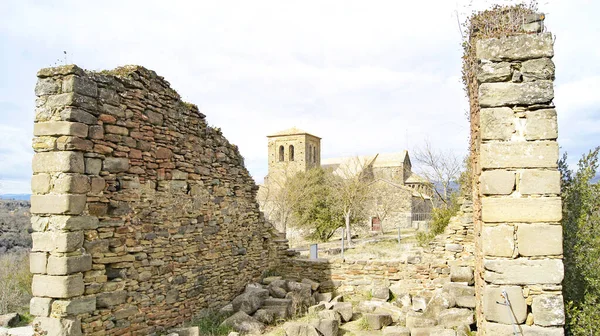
x=402, y=200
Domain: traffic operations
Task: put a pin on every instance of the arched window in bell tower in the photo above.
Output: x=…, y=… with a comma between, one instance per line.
x=281, y=153
x=291, y=153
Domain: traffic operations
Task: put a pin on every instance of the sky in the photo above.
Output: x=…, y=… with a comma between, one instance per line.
x=366, y=76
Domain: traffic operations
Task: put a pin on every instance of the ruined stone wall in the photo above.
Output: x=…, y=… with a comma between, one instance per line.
x=142, y=214
x=521, y=234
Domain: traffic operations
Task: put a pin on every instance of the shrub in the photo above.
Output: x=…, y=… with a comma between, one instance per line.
x=15, y=283
x=209, y=323
x=581, y=244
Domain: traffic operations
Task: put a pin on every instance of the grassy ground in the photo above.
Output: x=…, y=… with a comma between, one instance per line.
x=15, y=283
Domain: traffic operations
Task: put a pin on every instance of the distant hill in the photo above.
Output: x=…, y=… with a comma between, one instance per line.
x=15, y=225
x=22, y=197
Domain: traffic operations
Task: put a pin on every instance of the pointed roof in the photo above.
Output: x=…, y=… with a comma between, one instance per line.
x=291, y=131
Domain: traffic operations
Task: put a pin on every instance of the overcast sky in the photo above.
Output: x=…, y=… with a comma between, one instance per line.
x=366, y=76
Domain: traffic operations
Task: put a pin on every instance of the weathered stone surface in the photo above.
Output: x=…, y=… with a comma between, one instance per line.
x=38, y=262
x=461, y=274
x=74, y=306
x=299, y=329
x=250, y=301
x=396, y=331
x=419, y=320
x=73, y=223
x=58, y=204
x=497, y=182
x=67, y=162
x=454, y=317
x=72, y=183
x=380, y=293
x=500, y=313
x=533, y=182
x=523, y=271
x=313, y=284
x=378, y=321
x=548, y=310
x=498, y=329
x=536, y=69
x=497, y=123
x=39, y=306
x=326, y=327
x=60, y=128
x=58, y=327
x=80, y=85
x=9, y=320
x=541, y=125
x=518, y=47
x=440, y=301
x=459, y=289
x=63, y=265
x=61, y=286
x=498, y=240
x=115, y=165
x=494, y=72
x=110, y=299
x=509, y=94
x=77, y=115
x=56, y=241
x=344, y=309
x=466, y=302
x=40, y=183
x=539, y=240
x=47, y=86
x=497, y=210
x=539, y=154
x=264, y=316
x=245, y=323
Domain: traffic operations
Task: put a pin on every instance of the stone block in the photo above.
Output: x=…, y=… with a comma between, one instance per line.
x=541, y=125
x=71, y=99
x=498, y=329
x=80, y=85
x=497, y=182
x=548, y=310
x=495, y=312
x=378, y=321
x=455, y=317
x=539, y=240
x=494, y=72
x=114, y=129
x=58, y=286
x=72, y=183
x=518, y=47
x=54, y=162
x=77, y=115
x=37, y=262
x=115, y=164
x=545, y=209
x=539, y=154
x=396, y=331
x=62, y=70
x=58, y=204
x=419, y=320
x=537, y=69
x=461, y=274
x=40, y=183
x=57, y=241
x=510, y=94
x=75, y=306
x=47, y=86
x=58, y=326
x=524, y=271
x=73, y=223
x=498, y=240
x=63, y=265
x=497, y=123
x=60, y=128
x=39, y=224
x=111, y=299
x=93, y=166
x=39, y=306
x=533, y=182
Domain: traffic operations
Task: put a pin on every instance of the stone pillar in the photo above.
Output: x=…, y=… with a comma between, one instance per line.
x=61, y=184
x=521, y=236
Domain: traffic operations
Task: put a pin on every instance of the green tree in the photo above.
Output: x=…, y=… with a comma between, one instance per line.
x=581, y=242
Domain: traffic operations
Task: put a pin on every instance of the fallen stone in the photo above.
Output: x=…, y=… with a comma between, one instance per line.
x=323, y=297
x=380, y=293
x=189, y=331
x=249, y=301
x=378, y=321
x=461, y=274
x=330, y=315
x=244, y=323
x=269, y=280
x=316, y=308
x=418, y=320
x=396, y=331
x=440, y=301
x=264, y=316
x=327, y=327
x=455, y=317
x=9, y=320
x=419, y=303
x=344, y=309
x=313, y=284
x=466, y=302
x=299, y=329
x=499, y=329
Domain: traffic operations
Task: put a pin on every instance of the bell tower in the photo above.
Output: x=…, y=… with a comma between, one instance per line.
x=291, y=151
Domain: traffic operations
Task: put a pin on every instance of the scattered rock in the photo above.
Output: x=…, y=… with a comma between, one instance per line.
x=299, y=329
x=344, y=309
x=9, y=320
x=249, y=301
x=313, y=284
x=455, y=317
x=244, y=323
x=378, y=321
x=380, y=293
x=264, y=316
x=396, y=331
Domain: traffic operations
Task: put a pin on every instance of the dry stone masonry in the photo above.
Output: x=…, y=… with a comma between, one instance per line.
x=521, y=233
x=142, y=214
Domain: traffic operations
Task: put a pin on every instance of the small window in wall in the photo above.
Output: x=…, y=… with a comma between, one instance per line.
x=291, y=153
x=314, y=154
x=309, y=153
x=281, y=150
